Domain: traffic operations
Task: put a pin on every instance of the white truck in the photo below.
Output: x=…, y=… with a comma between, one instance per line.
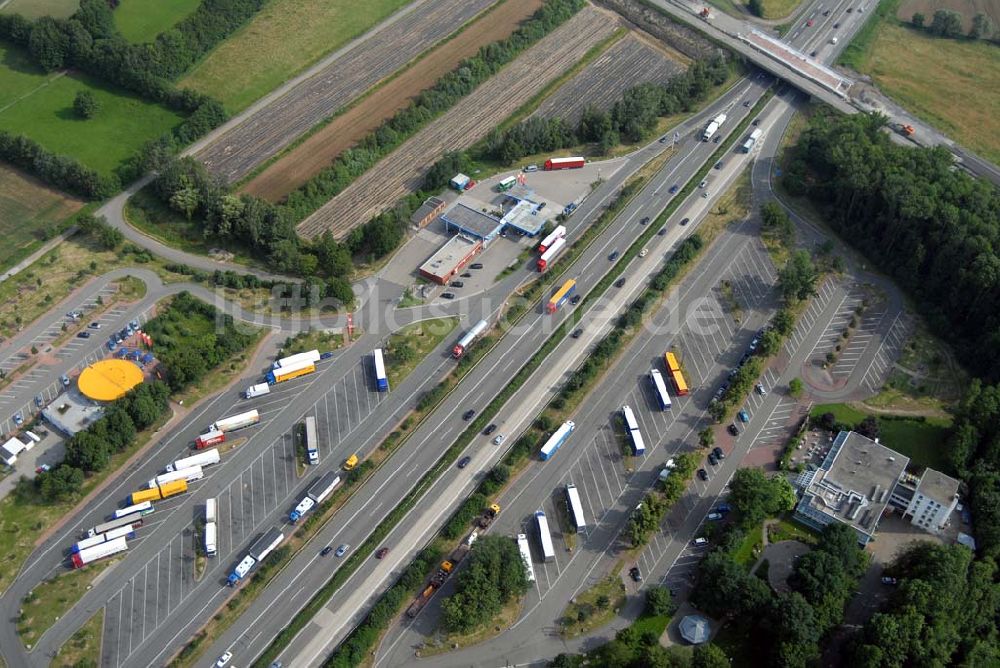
x=258, y=390
x=211, y=539
x=257, y=553
x=312, y=356
x=210, y=510
x=203, y=458
x=236, y=421
x=713, y=127
x=315, y=495
x=189, y=474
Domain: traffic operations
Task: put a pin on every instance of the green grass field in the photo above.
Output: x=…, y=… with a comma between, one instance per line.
x=27, y=207
x=39, y=105
x=142, y=20
x=34, y=8
x=286, y=37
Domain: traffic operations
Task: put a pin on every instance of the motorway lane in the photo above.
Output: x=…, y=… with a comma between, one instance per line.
x=292, y=588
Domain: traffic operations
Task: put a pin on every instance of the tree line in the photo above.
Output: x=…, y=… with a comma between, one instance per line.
x=632, y=119
x=948, y=23
x=60, y=171
x=935, y=229
x=493, y=577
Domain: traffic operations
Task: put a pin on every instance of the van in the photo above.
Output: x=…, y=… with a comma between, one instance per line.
x=351, y=462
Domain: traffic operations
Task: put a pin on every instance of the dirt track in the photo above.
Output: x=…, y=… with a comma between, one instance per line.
x=465, y=124
x=319, y=150
x=274, y=126
x=629, y=62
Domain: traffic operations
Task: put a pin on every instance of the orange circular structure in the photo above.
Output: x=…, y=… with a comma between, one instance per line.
x=109, y=379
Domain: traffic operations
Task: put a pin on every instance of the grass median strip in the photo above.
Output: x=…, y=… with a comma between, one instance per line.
x=51, y=599
x=84, y=647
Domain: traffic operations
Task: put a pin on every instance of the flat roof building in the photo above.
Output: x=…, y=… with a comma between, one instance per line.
x=450, y=258
x=472, y=223
x=929, y=500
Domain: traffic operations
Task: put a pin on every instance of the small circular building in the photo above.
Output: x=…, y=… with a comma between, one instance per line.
x=108, y=380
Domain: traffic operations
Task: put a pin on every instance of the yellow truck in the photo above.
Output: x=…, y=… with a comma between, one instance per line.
x=164, y=491
x=351, y=462
x=145, y=495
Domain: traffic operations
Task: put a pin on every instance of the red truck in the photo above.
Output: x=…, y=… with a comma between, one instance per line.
x=564, y=163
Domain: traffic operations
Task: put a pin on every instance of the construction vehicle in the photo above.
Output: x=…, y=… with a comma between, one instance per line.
x=446, y=569
x=904, y=129
x=706, y=14
x=490, y=514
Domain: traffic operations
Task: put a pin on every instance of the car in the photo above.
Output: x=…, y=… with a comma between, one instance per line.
x=118, y=337
x=664, y=139
x=723, y=508
x=645, y=219
x=635, y=574
x=812, y=54
x=715, y=517
x=613, y=255
x=756, y=121
x=466, y=275
x=733, y=429
x=342, y=550
x=326, y=550
x=382, y=551
x=456, y=284
x=464, y=461
x=705, y=193
x=64, y=379
x=94, y=325
x=886, y=580
x=575, y=299
x=760, y=390
x=224, y=659
x=327, y=355
x=850, y=9
x=743, y=415
x=712, y=459
x=468, y=415
x=43, y=468
x=531, y=168
x=826, y=13
x=861, y=10
x=717, y=451
x=674, y=188
x=744, y=359
x=718, y=165
x=620, y=282
x=83, y=335
x=754, y=342
x=111, y=344
x=717, y=139
x=703, y=474
x=74, y=315
x=541, y=206
x=699, y=541
x=39, y=400
x=577, y=333
x=685, y=221
x=499, y=439
x=277, y=664
x=662, y=231
x=489, y=430
x=644, y=252
x=447, y=295
x=810, y=23
x=704, y=182
x=746, y=103
x=18, y=418
x=476, y=265
x=836, y=25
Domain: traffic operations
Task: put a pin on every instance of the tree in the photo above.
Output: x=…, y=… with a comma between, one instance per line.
x=340, y=289
x=85, y=104
x=982, y=27
x=60, y=484
x=868, y=427
x=495, y=574
x=756, y=7
x=186, y=200
x=946, y=23
x=918, y=20
x=756, y=496
x=725, y=588
x=659, y=601
x=798, y=277
x=775, y=222
x=796, y=388
x=709, y=655
x=706, y=437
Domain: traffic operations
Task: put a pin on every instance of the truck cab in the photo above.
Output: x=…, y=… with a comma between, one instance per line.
x=351, y=462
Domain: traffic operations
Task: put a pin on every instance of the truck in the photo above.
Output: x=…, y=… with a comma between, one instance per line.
x=506, y=184
x=308, y=356
x=226, y=425
x=164, y=491
x=904, y=129
x=315, y=495
x=209, y=438
x=190, y=474
x=206, y=458
x=562, y=295
x=446, y=569
x=258, y=390
x=564, y=163
x=556, y=440
x=467, y=339
x=312, y=442
x=262, y=547
x=713, y=127
x=706, y=14
x=522, y=546
x=211, y=539
x=290, y=372
x=102, y=551
x=557, y=233
x=210, y=510
x=752, y=140
x=490, y=514
x=549, y=256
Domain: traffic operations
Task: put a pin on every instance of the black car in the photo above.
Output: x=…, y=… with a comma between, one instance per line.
x=476, y=265
x=489, y=430
x=447, y=295
x=466, y=275
x=575, y=299
x=717, y=451
x=620, y=282
x=662, y=231
x=674, y=188
x=756, y=121
x=83, y=335
x=613, y=256
x=685, y=221
x=326, y=550
x=635, y=574
x=812, y=55
x=717, y=139
x=577, y=333
x=703, y=474
x=712, y=459
x=464, y=461
x=468, y=415
x=746, y=103
x=644, y=220
x=456, y=284
x=718, y=165
x=733, y=429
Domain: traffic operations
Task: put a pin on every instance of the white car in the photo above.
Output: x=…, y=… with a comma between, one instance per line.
x=531, y=168
x=704, y=182
x=644, y=252
x=701, y=540
x=224, y=659
x=499, y=439
x=715, y=516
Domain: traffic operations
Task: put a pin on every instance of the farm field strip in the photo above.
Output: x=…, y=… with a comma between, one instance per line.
x=627, y=63
x=264, y=133
x=296, y=167
x=28, y=207
x=462, y=126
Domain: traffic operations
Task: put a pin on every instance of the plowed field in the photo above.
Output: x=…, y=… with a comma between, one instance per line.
x=465, y=124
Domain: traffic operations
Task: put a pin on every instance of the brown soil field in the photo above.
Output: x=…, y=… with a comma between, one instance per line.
x=278, y=122
x=967, y=8
x=465, y=124
x=629, y=62
x=299, y=164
